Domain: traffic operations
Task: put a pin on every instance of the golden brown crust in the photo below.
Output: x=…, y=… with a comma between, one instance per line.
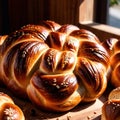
x=109, y=45
x=8, y=110
x=113, y=46
x=94, y=81
x=111, y=108
x=35, y=56
x=55, y=92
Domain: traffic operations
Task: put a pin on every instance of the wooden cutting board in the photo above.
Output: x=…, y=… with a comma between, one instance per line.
x=84, y=111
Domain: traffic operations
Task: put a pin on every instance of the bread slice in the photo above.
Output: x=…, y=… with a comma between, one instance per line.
x=114, y=94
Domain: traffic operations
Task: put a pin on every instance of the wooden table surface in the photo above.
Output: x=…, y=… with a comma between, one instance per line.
x=84, y=111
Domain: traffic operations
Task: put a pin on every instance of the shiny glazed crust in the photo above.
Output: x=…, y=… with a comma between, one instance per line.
x=8, y=110
x=56, y=66
x=112, y=45
x=111, y=108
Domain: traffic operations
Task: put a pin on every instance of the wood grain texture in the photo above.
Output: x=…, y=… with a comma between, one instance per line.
x=86, y=11
x=16, y=13
x=84, y=111
x=102, y=31
x=33, y=11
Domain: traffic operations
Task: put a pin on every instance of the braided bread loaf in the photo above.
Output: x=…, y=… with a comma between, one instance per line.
x=57, y=66
x=8, y=110
x=112, y=45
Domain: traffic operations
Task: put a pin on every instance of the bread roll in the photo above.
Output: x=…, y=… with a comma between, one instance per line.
x=111, y=108
x=112, y=45
x=8, y=110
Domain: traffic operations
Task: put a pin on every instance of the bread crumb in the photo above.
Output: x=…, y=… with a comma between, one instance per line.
x=68, y=117
x=95, y=112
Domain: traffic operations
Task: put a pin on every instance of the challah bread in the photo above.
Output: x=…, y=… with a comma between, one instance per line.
x=115, y=65
x=8, y=110
x=56, y=66
x=113, y=46
x=108, y=44
x=111, y=108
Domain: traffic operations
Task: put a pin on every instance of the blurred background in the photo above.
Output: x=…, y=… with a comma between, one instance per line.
x=16, y=13
x=114, y=13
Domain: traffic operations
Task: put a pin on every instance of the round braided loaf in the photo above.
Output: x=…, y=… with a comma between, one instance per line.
x=56, y=66
x=112, y=45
